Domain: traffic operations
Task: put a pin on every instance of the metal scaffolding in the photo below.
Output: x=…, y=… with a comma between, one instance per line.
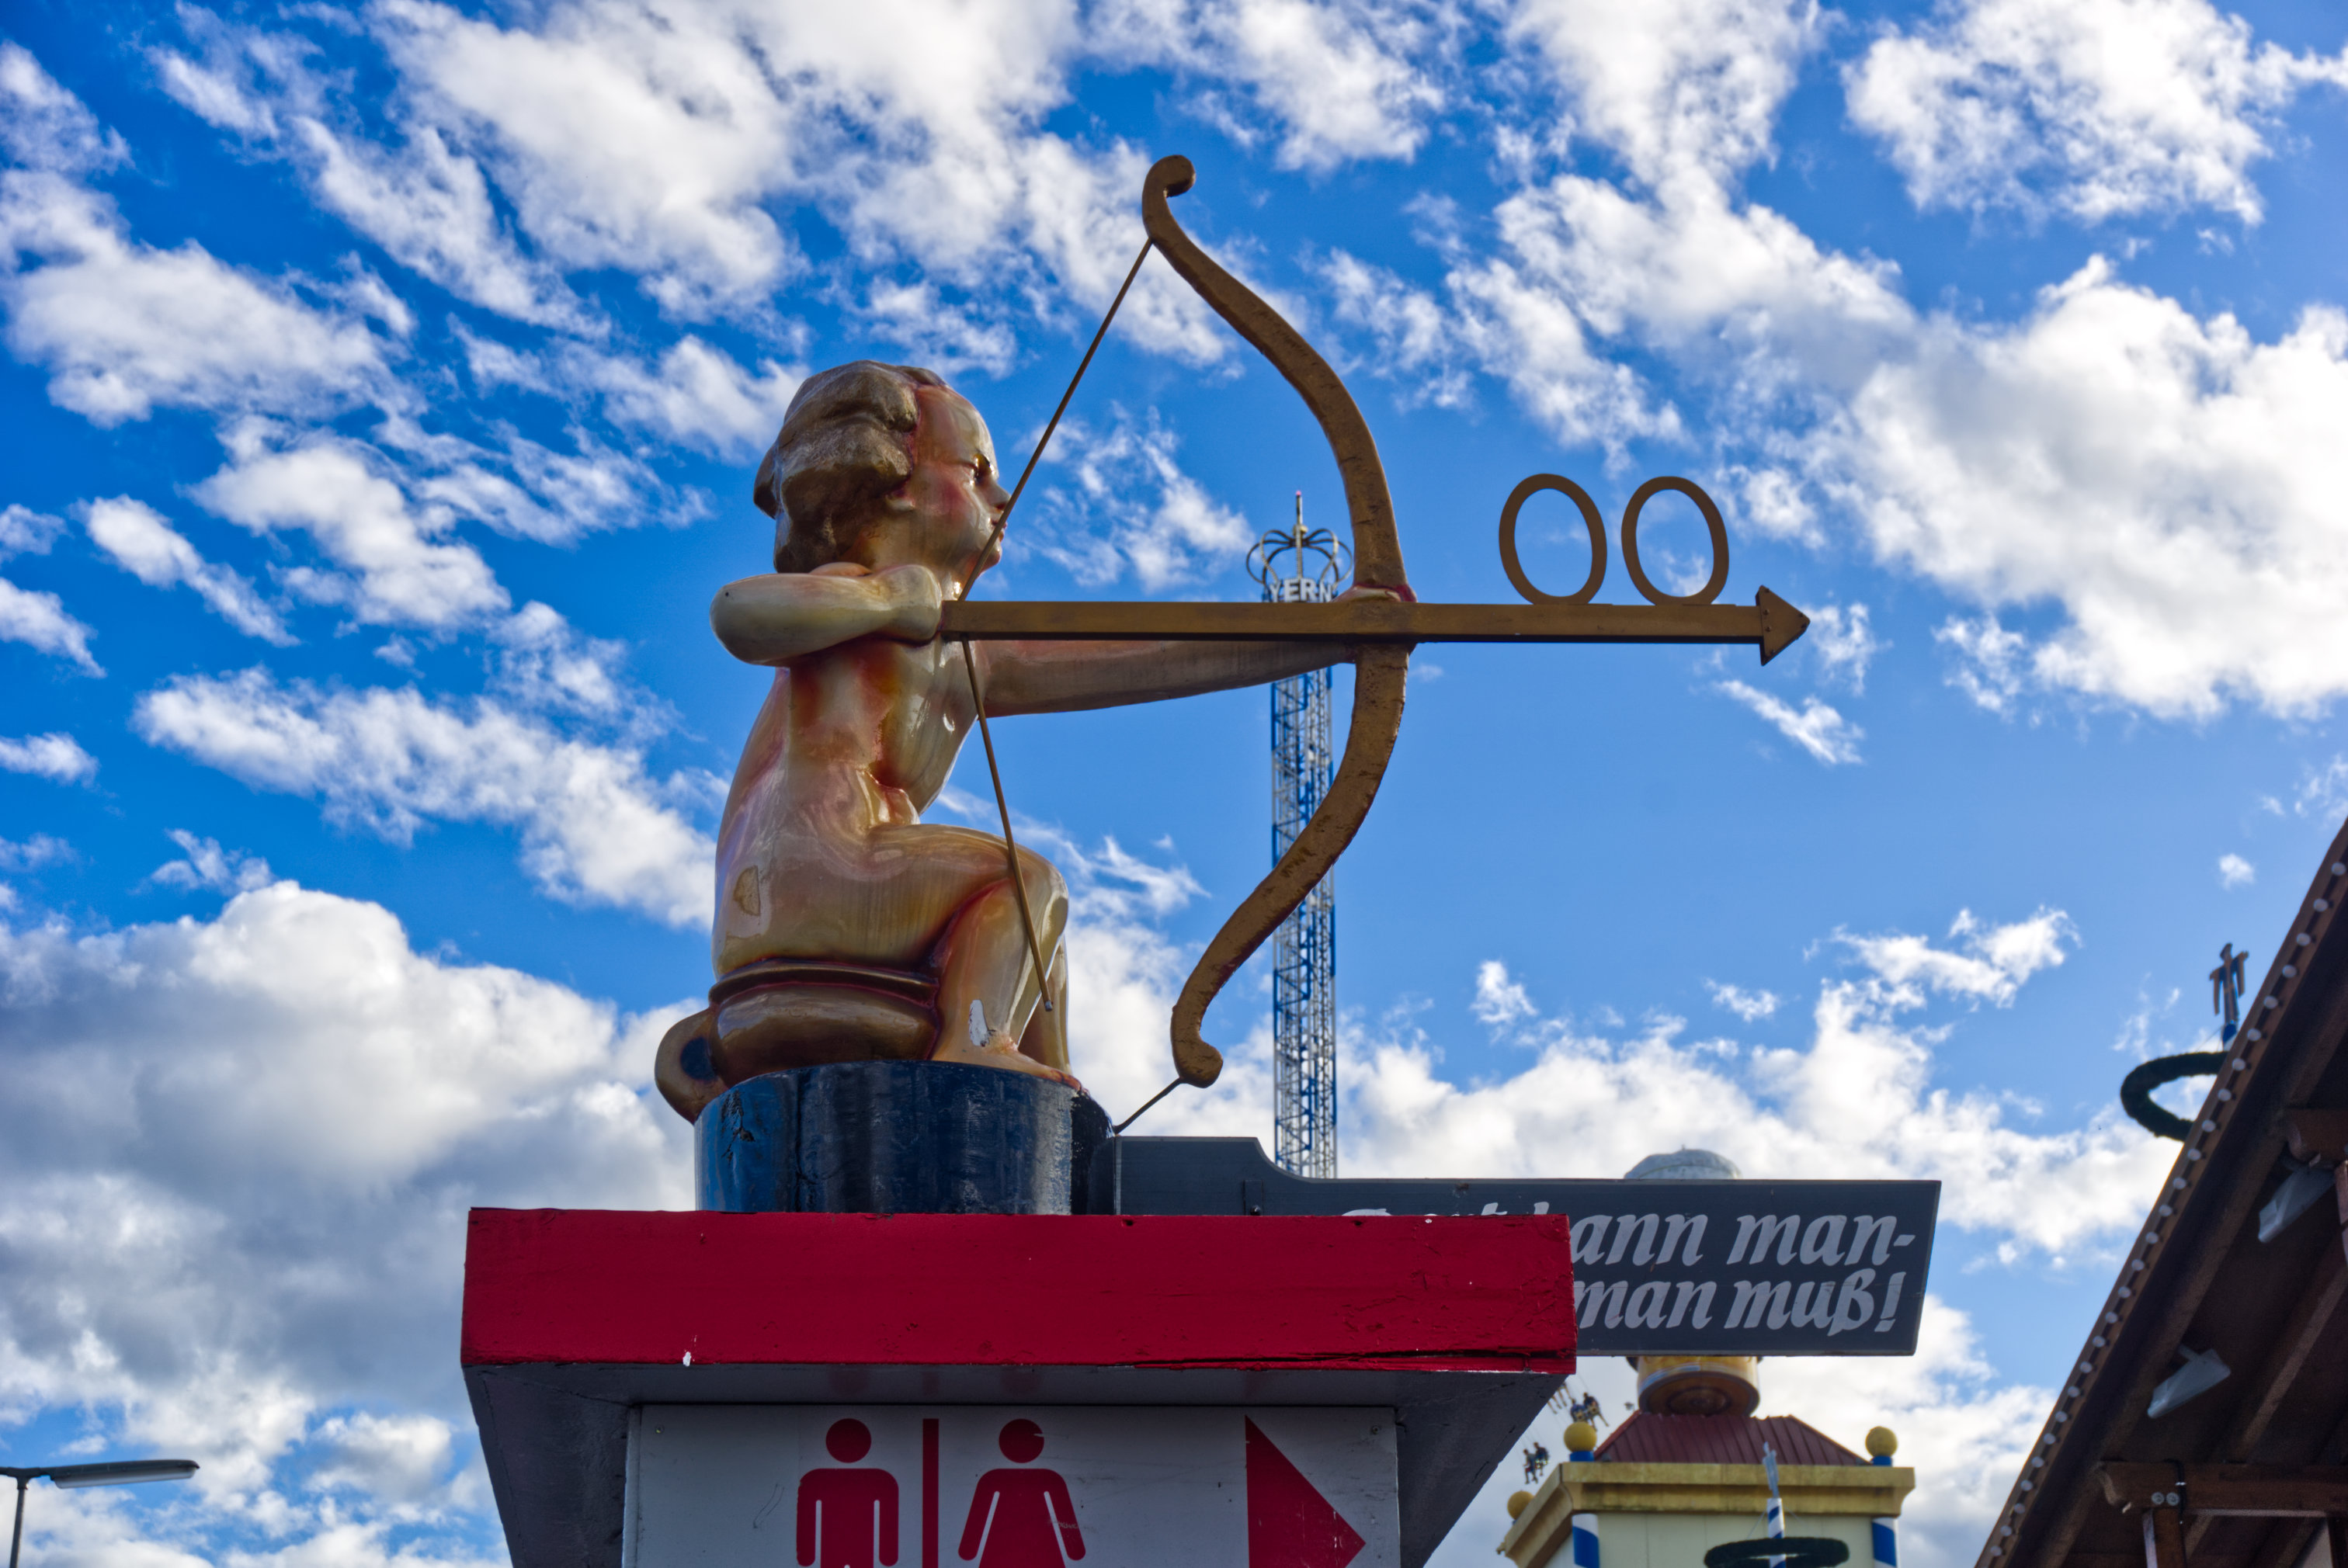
x=1302, y=566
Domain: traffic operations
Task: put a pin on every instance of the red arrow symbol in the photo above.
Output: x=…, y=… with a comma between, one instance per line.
x=1290, y=1524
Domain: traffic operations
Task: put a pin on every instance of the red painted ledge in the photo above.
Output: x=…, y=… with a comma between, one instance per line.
x=610, y=1286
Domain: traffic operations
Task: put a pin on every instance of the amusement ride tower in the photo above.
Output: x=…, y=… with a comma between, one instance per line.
x=1302, y=566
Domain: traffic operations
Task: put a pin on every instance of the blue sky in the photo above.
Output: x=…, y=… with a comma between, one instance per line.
x=384, y=384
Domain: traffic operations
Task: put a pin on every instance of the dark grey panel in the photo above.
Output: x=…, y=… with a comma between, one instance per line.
x=1723, y=1268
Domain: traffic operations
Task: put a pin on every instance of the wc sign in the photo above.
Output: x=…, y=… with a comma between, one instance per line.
x=977, y=1486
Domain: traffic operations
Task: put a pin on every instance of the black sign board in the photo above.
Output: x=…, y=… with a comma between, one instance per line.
x=1660, y=1268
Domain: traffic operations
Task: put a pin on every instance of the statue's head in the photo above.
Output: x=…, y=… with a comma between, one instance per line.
x=847, y=444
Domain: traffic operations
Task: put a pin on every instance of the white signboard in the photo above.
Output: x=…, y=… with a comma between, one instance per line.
x=880, y=1486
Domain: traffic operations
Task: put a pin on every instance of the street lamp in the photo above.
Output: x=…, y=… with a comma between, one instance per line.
x=118, y=1472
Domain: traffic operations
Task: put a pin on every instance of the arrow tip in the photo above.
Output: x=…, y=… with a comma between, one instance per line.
x=1781, y=624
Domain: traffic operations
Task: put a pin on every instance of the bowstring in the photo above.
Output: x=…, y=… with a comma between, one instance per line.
x=970, y=660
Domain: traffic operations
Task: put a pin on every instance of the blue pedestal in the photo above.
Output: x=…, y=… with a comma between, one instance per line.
x=896, y=1137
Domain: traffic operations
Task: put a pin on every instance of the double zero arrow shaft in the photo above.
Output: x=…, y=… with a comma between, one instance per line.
x=1769, y=623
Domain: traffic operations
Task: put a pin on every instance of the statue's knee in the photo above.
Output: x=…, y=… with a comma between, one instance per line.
x=1045, y=886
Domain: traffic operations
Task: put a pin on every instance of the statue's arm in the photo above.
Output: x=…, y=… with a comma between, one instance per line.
x=1065, y=677
x=775, y=619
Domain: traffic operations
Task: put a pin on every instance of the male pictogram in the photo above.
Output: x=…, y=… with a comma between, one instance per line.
x=1021, y=1518
x=848, y=1517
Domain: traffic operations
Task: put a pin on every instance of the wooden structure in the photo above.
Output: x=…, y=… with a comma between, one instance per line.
x=2247, y=1461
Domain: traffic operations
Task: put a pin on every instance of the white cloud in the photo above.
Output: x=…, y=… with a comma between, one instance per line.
x=2324, y=792
x=1996, y=962
x=1857, y=1101
x=944, y=334
x=41, y=849
x=396, y=568
x=402, y=1458
x=157, y=555
x=666, y=145
x=1676, y=86
x=595, y=828
x=1751, y=1006
x=243, y=1233
x=123, y=328
x=1964, y=1427
x=1692, y=265
x=532, y=491
x=24, y=531
x=1494, y=314
x=42, y=126
x=2233, y=871
x=52, y=756
x=2095, y=108
x=2170, y=482
x=546, y=666
x=1815, y=727
x=1115, y=500
x=1995, y=664
x=529, y=490
x=1577, y=269
x=429, y=207
x=206, y=865
x=39, y=620
x=698, y=397
x=1499, y=1001
x=245, y=76
x=2160, y=480
x=1775, y=502
x=1843, y=642
x=623, y=139
x=1344, y=81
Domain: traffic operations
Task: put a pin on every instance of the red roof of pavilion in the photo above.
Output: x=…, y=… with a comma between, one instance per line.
x=1647, y=1438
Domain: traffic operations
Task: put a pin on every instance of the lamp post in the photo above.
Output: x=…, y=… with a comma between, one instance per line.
x=119, y=1472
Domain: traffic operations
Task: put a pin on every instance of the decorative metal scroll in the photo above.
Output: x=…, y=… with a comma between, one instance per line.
x=1527, y=488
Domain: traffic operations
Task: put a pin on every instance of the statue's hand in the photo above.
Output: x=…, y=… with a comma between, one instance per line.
x=916, y=600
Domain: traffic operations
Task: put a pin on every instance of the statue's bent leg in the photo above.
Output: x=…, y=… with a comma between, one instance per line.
x=932, y=899
x=988, y=987
x=1046, y=1039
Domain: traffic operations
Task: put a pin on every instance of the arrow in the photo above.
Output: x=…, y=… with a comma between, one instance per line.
x=1769, y=623
x=1290, y=1524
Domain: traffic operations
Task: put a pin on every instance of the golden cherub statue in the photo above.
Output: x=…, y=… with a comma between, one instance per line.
x=848, y=929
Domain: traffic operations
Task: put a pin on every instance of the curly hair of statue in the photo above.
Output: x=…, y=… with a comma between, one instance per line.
x=847, y=441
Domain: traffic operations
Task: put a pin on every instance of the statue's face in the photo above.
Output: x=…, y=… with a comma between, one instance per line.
x=954, y=488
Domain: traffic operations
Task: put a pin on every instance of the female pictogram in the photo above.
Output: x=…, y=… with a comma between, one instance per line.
x=1021, y=1518
x=848, y=1517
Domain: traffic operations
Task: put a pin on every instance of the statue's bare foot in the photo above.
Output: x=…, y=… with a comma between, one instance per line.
x=1002, y=1052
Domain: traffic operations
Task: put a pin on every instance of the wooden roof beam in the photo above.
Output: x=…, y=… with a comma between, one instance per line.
x=2312, y=1325
x=2266, y=1490
x=2316, y=1134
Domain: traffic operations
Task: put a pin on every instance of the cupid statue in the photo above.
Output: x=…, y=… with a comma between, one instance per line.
x=848, y=929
